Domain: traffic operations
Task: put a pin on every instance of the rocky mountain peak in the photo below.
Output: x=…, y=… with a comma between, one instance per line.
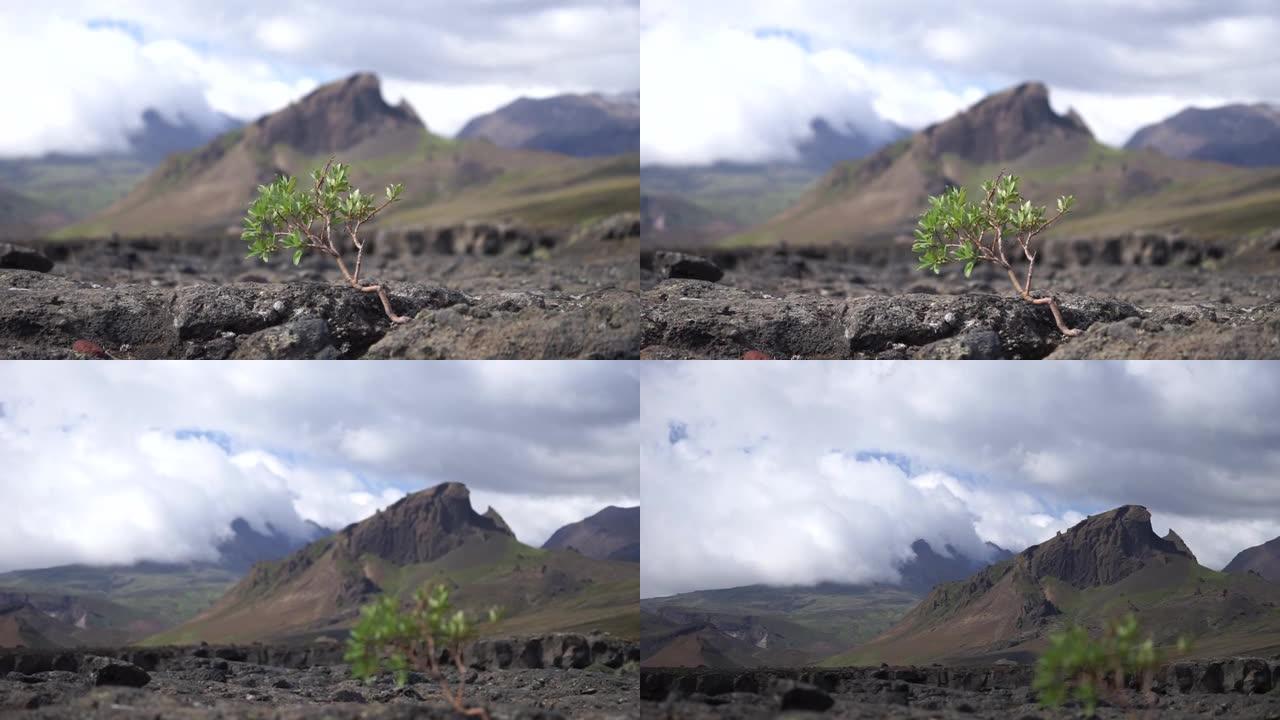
x=1004, y=126
x=497, y=519
x=422, y=526
x=334, y=117
x=1103, y=549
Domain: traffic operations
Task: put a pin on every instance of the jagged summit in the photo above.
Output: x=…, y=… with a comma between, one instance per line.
x=422, y=526
x=1102, y=549
x=493, y=515
x=334, y=117
x=1004, y=126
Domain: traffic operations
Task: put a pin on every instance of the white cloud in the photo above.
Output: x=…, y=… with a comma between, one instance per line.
x=120, y=462
x=1008, y=453
x=446, y=108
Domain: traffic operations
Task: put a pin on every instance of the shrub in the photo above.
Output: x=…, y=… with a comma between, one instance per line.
x=286, y=218
x=429, y=633
x=1079, y=667
x=954, y=229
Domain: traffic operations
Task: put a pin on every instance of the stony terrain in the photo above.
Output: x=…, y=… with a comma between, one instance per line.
x=546, y=677
x=473, y=291
x=1136, y=296
x=1234, y=687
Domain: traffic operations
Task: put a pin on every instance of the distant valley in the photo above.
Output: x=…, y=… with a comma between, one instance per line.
x=759, y=625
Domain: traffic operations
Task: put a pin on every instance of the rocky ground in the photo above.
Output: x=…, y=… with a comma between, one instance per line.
x=474, y=291
x=1135, y=296
x=1234, y=688
x=563, y=676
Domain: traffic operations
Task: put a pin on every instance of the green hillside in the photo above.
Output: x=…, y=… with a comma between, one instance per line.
x=538, y=590
x=167, y=594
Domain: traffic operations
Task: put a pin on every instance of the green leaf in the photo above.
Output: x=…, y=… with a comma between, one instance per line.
x=297, y=256
x=968, y=268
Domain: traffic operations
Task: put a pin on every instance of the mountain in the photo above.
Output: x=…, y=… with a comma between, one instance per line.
x=446, y=181
x=696, y=204
x=70, y=187
x=1247, y=135
x=247, y=546
x=123, y=603
x=759, y=625
x=160, y=137
x=929, y=568
x=1104, y=567
x=611, y=534
x=1262, y=559
x=580, y=125
x=877, y=199
x=429, y=537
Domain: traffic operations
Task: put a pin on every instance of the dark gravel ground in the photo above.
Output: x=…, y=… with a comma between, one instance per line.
x=1137, y=296
x=182, y=684
x=479, y=291
x=1229, y=688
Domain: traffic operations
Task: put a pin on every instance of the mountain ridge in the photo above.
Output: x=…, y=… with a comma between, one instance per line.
x=877, y=199
x=1107, y=565
x=1241, y=134
x=428, y=537
x=610, y=534
x=587, y=125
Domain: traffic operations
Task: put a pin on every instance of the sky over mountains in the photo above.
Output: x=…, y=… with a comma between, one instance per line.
x=100, y=67
x=776, y=473
x=742, y=80
x=113, y=465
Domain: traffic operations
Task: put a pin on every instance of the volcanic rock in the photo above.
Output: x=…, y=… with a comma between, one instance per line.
x=682, y=265
x=690, y=319
x=109, y=671
x=17, y=257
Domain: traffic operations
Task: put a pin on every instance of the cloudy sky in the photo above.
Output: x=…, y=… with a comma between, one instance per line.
x=740, y=79
x=791, y=473
x=117, y=462
x=89, y=69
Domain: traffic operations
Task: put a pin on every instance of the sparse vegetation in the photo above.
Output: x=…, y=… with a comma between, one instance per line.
x=286, y=218
x=430, y=632
x=1079, y=667
x=954, y=229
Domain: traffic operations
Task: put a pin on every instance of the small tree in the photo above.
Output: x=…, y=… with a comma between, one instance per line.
x=390, y=638
x=1080, y=667
x=286, y=218
x=954, y=229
